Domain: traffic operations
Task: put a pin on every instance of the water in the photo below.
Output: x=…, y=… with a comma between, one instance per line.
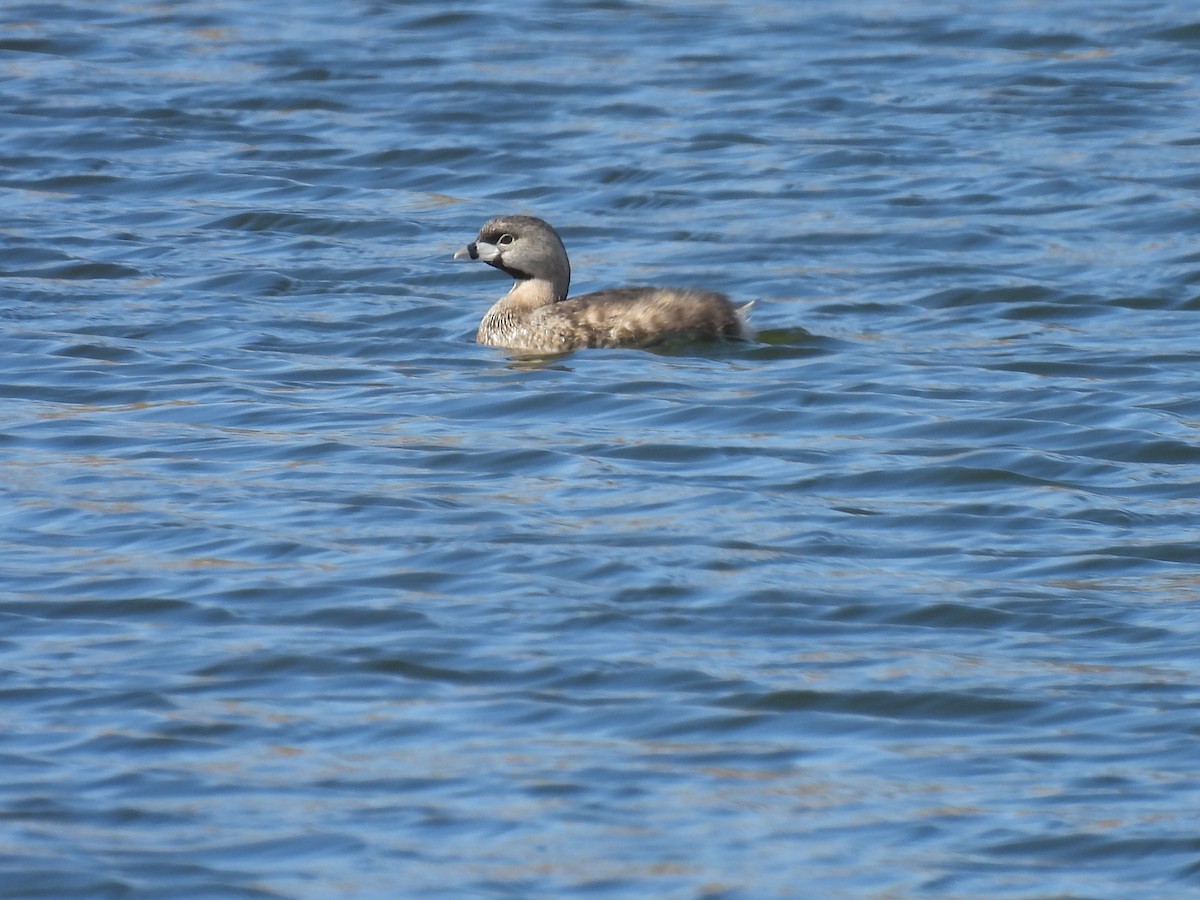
x=307, y=595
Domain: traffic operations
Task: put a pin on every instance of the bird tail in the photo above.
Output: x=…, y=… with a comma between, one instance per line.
x=743, y=314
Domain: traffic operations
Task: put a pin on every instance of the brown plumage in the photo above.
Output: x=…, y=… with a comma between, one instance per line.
x=537, y=317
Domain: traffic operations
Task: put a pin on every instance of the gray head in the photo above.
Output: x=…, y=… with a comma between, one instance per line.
x=524, y=247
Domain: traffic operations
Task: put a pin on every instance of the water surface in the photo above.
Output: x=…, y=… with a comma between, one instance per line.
x=305, y=594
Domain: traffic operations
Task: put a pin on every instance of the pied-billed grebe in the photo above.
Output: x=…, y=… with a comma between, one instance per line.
x=536, y=316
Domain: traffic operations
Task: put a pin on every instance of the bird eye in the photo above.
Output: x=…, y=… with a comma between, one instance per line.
x=504, y=240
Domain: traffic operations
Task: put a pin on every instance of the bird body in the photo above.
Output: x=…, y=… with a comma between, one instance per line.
x=537, y=316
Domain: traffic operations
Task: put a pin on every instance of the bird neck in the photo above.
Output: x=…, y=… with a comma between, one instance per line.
x=531, y=293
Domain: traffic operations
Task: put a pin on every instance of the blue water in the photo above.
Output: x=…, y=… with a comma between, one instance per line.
x=305, y=594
